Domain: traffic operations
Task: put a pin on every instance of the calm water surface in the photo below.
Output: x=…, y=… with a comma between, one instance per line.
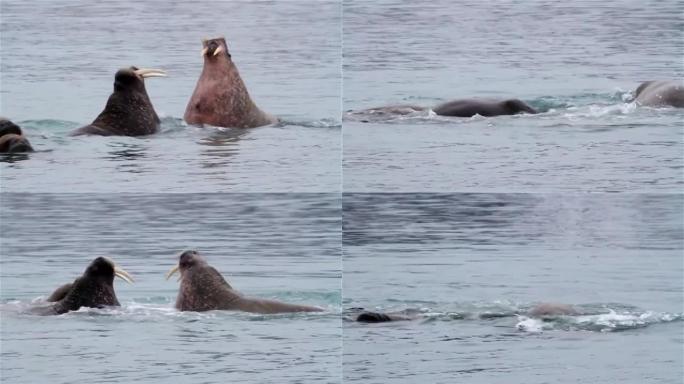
x=469, y=265
x=574, y=61
x=280, y=246
x=57, y=70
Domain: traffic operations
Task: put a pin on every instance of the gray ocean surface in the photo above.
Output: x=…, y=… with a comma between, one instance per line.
x=468, y=266
x=574, y=61
x=279, y=246
x=57, y=71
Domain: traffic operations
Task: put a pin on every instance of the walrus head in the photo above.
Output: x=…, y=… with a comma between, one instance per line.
x=12, y=139
x=103, y=270
x=202, y=287
x=517, y=106
x=215, y=48
x=132, y=78
x=186, y=261
x=94, y=289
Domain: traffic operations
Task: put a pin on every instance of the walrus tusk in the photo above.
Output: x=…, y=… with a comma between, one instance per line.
x=150, y=72
x=172, y=271
x=204, y=51
x=123, y=275
x=218, y=50
x=119, y=272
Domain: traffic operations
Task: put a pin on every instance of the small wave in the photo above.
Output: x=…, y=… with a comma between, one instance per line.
x=47, y=127
x=605, y=322
x=609, y=317
x=321, y=123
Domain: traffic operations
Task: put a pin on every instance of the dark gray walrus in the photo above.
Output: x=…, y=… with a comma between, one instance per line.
x=660, y=94
x=456, y=108
x=220, y=97
x=129, y=111
x=94, y=289
x=541, y=310
x=203, y=288
x=472, y=107
x=12, y=139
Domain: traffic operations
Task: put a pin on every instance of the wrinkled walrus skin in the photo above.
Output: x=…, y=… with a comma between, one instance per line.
x=220, y=97
x=129, y=111
x=202, y=288
x=94, y=289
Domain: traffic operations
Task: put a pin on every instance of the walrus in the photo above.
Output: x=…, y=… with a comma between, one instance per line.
x=220, y=97
x=378, y=317
x=128, y=111
x=541, y=310
x=203, y=288
x=94, y=289
x=660, y=94
x=455, y=108
x=487, y=108
x=12, y=139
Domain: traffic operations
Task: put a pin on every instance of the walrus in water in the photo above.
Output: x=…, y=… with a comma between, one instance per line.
x=541, y=310
x=220, y=97
x=129, y=111
x=456, y=108
x=94, y=289
x=203, y=288
x=487, y=108
x=660, y=94
x=12, y=139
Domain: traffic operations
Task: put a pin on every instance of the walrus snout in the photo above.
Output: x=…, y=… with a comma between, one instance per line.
x=186, y=260
x=105, y=267
x=19, y=145
x=213, y=47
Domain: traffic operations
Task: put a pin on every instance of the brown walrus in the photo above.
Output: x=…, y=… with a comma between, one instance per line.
x=129, y=111
x=203, y=288
x=220, y=97
x=95, y=289
x=660, y=94
x=12, y=139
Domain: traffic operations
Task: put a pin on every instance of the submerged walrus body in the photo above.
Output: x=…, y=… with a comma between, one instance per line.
x=129, y=111
x=220, y=97
x=12, y=139
x=203, y=288
x=94, y=289
x=660, y=94
x=541, y=311
x=487, y=108
x=455, y=108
